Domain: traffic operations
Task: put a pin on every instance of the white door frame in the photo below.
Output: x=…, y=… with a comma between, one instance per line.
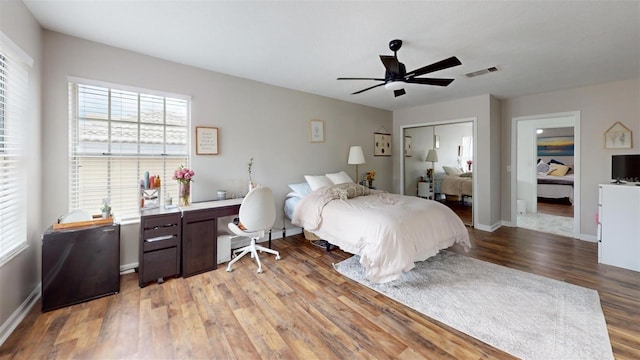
x=576, y=163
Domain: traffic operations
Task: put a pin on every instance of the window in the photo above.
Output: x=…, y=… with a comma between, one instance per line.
x=14, y=82
x=116, y=136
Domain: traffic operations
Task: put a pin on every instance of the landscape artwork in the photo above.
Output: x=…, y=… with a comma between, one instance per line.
x=555, y=146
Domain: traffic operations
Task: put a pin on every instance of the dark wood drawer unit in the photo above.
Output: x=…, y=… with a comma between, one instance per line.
x=79, y=265
x=200, y=238
x=160, y=245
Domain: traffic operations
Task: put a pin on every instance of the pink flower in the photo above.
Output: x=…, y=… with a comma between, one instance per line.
x=183, y=174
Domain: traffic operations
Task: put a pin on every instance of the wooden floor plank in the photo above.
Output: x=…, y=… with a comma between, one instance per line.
x=300, y=307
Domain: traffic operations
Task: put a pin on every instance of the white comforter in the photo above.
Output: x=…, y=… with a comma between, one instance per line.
x=390, y=232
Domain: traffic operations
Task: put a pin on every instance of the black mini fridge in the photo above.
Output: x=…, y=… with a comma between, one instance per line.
x=79, y=265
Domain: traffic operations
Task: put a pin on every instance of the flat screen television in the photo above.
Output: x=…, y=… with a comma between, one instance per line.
x=625, y=168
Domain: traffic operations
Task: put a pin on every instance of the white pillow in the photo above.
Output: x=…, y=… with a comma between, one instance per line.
x=302, y=189
x=339, y=178
x=450, y=170
x=317, y=181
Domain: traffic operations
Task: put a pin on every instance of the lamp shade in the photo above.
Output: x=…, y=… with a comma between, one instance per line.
x=432, y=155
x=356, y=156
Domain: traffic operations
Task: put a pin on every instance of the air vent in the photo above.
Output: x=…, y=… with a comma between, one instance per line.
x=481, y=72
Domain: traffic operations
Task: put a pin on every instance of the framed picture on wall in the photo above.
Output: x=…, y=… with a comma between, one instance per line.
x=316, y=131
x=407, y=146
x=618, y=136
x=206, y=140
x=381, y=144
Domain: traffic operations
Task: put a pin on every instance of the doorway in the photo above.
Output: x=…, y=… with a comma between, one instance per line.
x=545, y=178
x=430, y=152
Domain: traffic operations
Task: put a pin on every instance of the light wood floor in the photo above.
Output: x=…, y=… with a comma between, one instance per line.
x=301, y=308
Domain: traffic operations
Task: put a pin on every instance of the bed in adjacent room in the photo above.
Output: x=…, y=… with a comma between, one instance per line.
x=555, y=181
x=389, y=232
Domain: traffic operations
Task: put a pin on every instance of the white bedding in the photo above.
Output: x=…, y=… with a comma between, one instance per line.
x=390, y=232
x=556, y=191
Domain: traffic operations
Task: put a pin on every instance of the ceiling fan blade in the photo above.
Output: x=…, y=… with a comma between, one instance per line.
x=390, y=63
x=376, y=79
x=399, y=92
x=369, y=88
x=440, y=65
x=430, y=81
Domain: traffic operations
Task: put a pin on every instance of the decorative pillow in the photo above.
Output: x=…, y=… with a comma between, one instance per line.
x=466, y=174
x=317, y=181
x=450, y=170
x=554, y=161
x=292, y=194
x=543, y=168
x=339, y=178
x=301, y=189
x=349, y=191
x=558, y=170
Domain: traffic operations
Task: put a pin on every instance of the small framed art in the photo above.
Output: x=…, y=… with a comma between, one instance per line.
x=407, y=146
x=316, y=131
x=206, y=140
x=618, y=136
x=381, y=144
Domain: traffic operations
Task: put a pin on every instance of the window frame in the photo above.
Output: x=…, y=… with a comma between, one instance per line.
x=14, y=92
x=169, y=160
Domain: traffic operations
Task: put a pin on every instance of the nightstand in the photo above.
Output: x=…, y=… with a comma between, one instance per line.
x=425, y=189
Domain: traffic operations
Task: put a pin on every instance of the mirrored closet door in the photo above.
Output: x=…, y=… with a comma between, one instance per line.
x=438, y=165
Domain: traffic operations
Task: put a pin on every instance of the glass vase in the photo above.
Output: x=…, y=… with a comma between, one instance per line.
x=184, y=193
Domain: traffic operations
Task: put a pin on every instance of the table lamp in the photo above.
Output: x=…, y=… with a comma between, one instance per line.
x=356, y=157
x=432, y=156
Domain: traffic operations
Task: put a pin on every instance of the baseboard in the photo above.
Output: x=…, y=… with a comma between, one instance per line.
x=491, y=228
x=128, y=268
x=587, y=237
x=21, y=312
x=508, y=223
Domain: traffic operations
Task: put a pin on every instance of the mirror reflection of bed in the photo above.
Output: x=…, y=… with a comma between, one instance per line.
x=439, y=166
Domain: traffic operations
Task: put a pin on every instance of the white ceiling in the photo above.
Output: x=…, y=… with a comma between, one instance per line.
x=306, y=45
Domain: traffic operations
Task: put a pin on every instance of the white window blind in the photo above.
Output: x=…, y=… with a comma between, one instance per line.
x=118, y=135
x=14, y=82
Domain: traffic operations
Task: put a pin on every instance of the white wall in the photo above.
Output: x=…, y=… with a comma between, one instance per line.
x=486, y=110
x=20, y=277
x=450, y=138
x=268, y=123
x=600, y=106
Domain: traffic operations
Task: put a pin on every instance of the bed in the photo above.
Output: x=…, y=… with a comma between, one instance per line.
x=454, y=182
x=555, y=181
x=389, y=232
x=555, y=187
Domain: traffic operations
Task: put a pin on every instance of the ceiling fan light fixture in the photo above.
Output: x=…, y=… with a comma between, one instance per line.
x=394, y=85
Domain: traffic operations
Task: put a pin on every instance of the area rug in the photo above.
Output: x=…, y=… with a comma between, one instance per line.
x=526, y=315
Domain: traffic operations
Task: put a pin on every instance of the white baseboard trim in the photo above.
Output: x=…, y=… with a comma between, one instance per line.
x=508, y=223
x=16, y=318
x=587, y=237
x=491, y=228
x=128, y=268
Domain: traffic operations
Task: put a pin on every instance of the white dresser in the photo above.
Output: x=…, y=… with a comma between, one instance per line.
x=425, y=189
x=619, y=225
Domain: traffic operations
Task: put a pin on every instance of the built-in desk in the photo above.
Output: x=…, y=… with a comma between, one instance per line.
x=200, y=234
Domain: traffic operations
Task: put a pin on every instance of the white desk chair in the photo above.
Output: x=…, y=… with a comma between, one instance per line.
x=257, y=215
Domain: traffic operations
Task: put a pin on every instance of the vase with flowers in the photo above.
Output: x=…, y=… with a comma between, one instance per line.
x=370, y=176
x=250, y=168
x=184, y=177
x=469, y=163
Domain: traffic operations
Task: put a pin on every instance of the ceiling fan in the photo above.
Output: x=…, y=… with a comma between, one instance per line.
x=396, y=74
